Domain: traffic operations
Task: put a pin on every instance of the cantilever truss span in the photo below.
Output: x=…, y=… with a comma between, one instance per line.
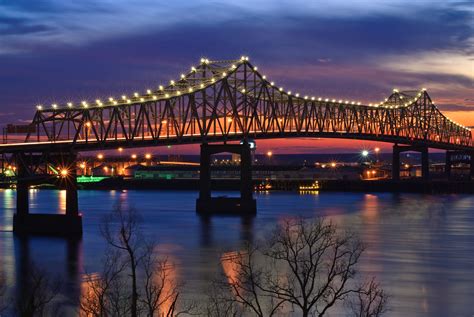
x=230, y=100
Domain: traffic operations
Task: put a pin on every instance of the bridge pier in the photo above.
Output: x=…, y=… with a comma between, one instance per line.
x=69, y=224
x=425, y=164
x=245, y=204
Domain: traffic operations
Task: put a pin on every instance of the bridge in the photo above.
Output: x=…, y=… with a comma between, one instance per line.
x=219, y=102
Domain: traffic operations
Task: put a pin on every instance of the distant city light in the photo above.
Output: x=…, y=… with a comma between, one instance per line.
x=100, y=156
x=64, y=172
x=269, y=153
x=148, y=156
x=365, y=153
x=134, y=156
x=377, y=150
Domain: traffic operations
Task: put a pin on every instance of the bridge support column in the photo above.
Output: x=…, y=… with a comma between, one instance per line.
x=472, y=164
x=396, y=163
x=245, y=204
x=448, y=164
x=68, y=224
x=425, y=164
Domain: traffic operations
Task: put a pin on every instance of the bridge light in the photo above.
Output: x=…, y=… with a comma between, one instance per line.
x=164, y=121
x=358, y=103
x=120, y=149
x=88, y=124
x=55, y=105
x=160, y=87
x=172, y=82
x=202, y=60
x=255, y=68
x=346, y=102
x=280, y=89
x=319, y=98
x=141, y=99
x=246, y=58
x=154, y=97
x=395, y=90
x=129, y=101
x=69, y=104
x=148, y=91
x=183, y=76
x=305, y=97
x=312, y=98
x=243, y=91
x=206, y=61
x=269, y=154
x=334, y=100
x=133, y=156
x=423, y=89
x=84, y=103
x=224, y=74
x=272, y=83
x=167, y=96
x=326, y=99
x=178, y=93
x=333, y=164
x=190, y=89
x=297, y=95
x=289, y=92
x=39, y=107
x=352, y=102
x=111, y=99
x=148, y=156
x=193, y=69
x=264, y=77
x=202, y=85
x=229, y=120
x=100, y=156
x=114, y=102
x=213, y=79
x=135, y=94
x=242, y=58
x=124, y=97
x=365, y=153
x=64, y=172
x=233, y=66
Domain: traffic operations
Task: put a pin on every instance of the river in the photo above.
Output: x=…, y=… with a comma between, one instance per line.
x=420, y=247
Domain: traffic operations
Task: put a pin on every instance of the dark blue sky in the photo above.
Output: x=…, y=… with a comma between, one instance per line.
x=58, y=51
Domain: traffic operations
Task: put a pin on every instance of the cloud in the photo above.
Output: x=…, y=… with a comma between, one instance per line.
x=453, y=107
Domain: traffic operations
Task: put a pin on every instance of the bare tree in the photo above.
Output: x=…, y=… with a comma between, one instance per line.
x=37, y=293
x=370, y=301
x=3, y=295
x=121, y=231
x=101, y=293
x=307, y=265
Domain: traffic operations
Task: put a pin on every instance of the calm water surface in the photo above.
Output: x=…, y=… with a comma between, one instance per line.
x=420, y=247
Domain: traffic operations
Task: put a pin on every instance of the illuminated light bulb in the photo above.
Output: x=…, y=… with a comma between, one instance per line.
x=84, y=104
x=319, y=99
x=224, y=74
x=202, y=60
x=243, y=90
x=401, y=97
x=148, y=91
x=161, y=87
x=206, y=61
x=141, y=99
x=352, y=103
x=167, y=96
x=289, y=92
x=334, y=100
x=305, y=97
x=326, y=99
x=272, y=83
x=358, y=103
x=395, y=90
x=233, y=66
x=202, y=85
x=124, y=97
x=69, y=104
x=39, y=107
x=193, y=69
x=115, y=102
x=135, y=94
x=190, y=89
x=386, y=99
x=164, y=121
x=129, y=101
x=154, y=97
x=229, y=119
x=55, y=105
x=340, y=101
x=423, y=89
x=242, y=58
x=178, y=93
x=255, y=68
x=213, y=79
x=297, y=95
x=312, y=98
x=111, y=99
x=280, y=89
x=246, y=58
x=182, y=76
x=264, y=77
x=346, y=102
x=97, y=100
x=172, y=82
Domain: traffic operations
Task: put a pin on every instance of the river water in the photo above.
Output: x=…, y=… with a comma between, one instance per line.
x=420, y=247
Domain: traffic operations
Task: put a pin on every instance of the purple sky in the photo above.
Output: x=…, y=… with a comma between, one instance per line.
x=58, y=51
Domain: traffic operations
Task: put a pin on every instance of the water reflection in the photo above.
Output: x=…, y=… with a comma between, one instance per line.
x=420, y=247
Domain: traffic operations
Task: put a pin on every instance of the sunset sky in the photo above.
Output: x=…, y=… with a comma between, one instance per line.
x=54, y=51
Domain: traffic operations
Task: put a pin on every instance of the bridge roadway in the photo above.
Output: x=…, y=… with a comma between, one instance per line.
x=217, y=102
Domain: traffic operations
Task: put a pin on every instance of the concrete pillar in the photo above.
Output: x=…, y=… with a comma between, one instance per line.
x=396, y=163
x=472, y=165
x=22, y=203
x=448, y=164
x=425, y=164
x=246, y=172
x=72, y=205
x=205, y=173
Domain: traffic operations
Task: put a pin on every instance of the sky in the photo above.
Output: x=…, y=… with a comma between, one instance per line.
x=55, y=51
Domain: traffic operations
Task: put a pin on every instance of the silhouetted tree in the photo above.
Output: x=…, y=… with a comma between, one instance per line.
x=3, y=295
x=305, y=265
x=38, y=292
x=370, y=301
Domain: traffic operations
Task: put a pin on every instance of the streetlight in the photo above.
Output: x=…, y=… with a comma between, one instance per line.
x=365, y=153
x=377, y=150
x=120, y=149
x=100, y=156
x=134, y=156
x=64, y=173
x=148, y=156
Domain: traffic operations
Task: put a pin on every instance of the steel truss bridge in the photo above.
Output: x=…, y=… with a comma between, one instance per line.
x=219, y=101
x=216, y=102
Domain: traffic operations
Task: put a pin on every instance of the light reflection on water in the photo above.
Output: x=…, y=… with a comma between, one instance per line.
x=420, y=247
